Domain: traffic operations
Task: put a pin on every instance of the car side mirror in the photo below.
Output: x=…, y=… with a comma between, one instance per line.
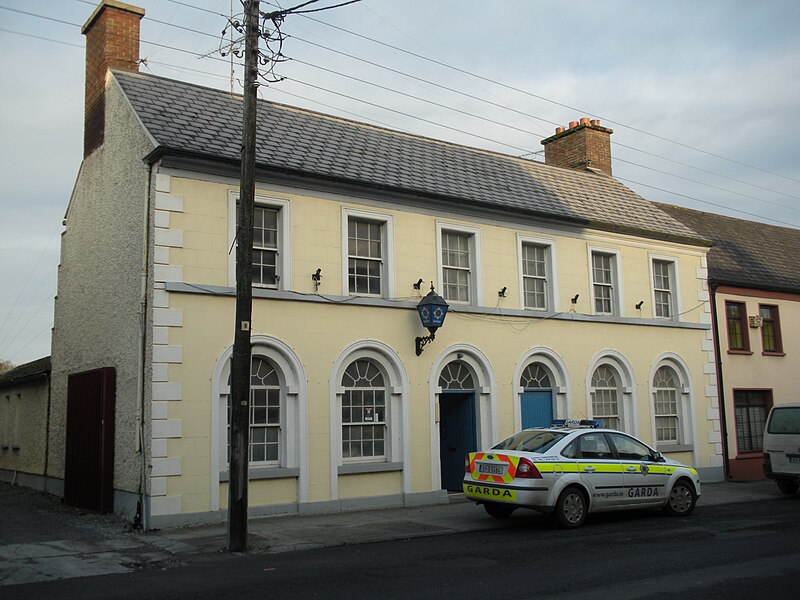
x=658, y=457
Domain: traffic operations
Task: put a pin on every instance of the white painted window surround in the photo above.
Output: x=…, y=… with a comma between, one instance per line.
x=659, y=294
x=546, y=282
x=605, y=280
x=473, y=270
x=610, y=384
x=671, y=398
x=387, y=256
x=284, y=242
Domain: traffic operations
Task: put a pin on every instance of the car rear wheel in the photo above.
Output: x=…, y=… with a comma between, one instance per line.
x=571, y=508
x=787, y=486
x=499, y=511
x=681, y=500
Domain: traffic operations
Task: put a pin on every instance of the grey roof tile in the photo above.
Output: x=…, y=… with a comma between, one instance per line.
x=186, y=118
x=746, y=253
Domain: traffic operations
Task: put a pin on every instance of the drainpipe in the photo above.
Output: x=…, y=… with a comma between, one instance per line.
x=47, y=427
x=712, y=288
x=142, y=518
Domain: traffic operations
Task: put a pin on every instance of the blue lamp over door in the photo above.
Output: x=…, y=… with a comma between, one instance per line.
x=432, y=310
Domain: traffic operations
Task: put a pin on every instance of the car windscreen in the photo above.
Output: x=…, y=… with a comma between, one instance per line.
x=785, y=420
x=533, y=440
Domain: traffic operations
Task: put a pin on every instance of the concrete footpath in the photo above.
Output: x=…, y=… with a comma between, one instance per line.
x=44, y=540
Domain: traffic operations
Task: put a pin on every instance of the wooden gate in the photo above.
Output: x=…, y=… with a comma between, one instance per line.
x=89, y=465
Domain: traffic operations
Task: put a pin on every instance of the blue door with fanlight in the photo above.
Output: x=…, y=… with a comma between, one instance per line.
x=457, y=435
x=536, y=408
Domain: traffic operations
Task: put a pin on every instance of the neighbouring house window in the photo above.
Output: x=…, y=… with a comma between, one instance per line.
x=770, y=329
x=736, y=315
x=662, y=288
x=603, y=282
x=751, y=408
x=365, y=256
x=265, y=247
x=534, y=275
x=266, y=395
x=363, y=411
x=666, y=394
x=456, y=266
x=605, y=393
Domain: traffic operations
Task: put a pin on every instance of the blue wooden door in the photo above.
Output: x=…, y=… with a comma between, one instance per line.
x=457, y=436
x=536, y=408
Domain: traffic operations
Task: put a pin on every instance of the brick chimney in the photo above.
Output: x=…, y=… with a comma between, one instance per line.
x=584, y=144
x=112, y=40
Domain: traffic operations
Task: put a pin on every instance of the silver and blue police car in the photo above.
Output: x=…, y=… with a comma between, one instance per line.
x=574, y=468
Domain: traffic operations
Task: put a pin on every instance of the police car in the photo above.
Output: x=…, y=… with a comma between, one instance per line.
x=574, y=468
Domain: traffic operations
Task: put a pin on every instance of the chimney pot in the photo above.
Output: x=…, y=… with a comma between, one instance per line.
x=584, y=143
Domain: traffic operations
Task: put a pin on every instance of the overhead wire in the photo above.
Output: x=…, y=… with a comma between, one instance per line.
x=471, y=96
x=545, y=99
x=27, y=13
x=435, y=123
x=617, y=144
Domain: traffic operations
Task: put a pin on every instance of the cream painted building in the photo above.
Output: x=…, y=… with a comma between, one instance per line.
x=570, y=297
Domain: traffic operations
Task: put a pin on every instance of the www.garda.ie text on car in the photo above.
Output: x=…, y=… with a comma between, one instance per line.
x=574, y=468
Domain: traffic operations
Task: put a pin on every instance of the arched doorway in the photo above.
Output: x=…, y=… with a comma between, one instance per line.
x=536, y=400
x=457, y=421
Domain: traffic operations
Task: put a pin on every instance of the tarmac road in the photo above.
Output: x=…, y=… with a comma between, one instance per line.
x=42, y=540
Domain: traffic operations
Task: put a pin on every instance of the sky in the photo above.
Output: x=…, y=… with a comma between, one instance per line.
x=703, y=98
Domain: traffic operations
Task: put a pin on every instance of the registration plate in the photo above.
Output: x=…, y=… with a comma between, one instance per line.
x=488, y=469
x=794, y=459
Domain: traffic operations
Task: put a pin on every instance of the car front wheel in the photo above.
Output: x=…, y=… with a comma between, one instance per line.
x=571, y=508
x=787, y=486
x=681, y=500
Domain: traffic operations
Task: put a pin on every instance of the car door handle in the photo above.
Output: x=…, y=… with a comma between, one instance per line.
x=589, y=469
x=631, y=469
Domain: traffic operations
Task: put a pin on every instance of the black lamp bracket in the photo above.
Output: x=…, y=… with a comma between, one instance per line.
x=422, y=341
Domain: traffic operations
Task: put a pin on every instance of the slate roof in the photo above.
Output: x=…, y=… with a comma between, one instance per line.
x=188, y=119
x=32, y=370
x=746, y=253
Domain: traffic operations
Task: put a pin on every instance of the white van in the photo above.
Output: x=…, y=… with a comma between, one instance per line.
x=782, y=447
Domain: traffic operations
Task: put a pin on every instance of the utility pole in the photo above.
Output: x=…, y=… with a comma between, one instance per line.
x=240, y=361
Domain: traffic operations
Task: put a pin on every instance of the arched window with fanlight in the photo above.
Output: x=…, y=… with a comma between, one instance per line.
x=266, y=394
x=672, y=411
x=363, y=411
x=606, y=396
x=665, y=396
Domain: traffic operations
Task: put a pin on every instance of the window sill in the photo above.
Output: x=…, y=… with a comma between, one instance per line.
x=742, y=352
x=750, y=455
x=265, y=473
x=773, y=354
x=675, y=448
x=376, y=467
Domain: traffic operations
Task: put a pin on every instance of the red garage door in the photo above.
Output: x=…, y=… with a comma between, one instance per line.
x=89, y=468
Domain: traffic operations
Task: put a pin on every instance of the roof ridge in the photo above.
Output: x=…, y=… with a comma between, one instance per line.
x=362, y=124
x=193, y=120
